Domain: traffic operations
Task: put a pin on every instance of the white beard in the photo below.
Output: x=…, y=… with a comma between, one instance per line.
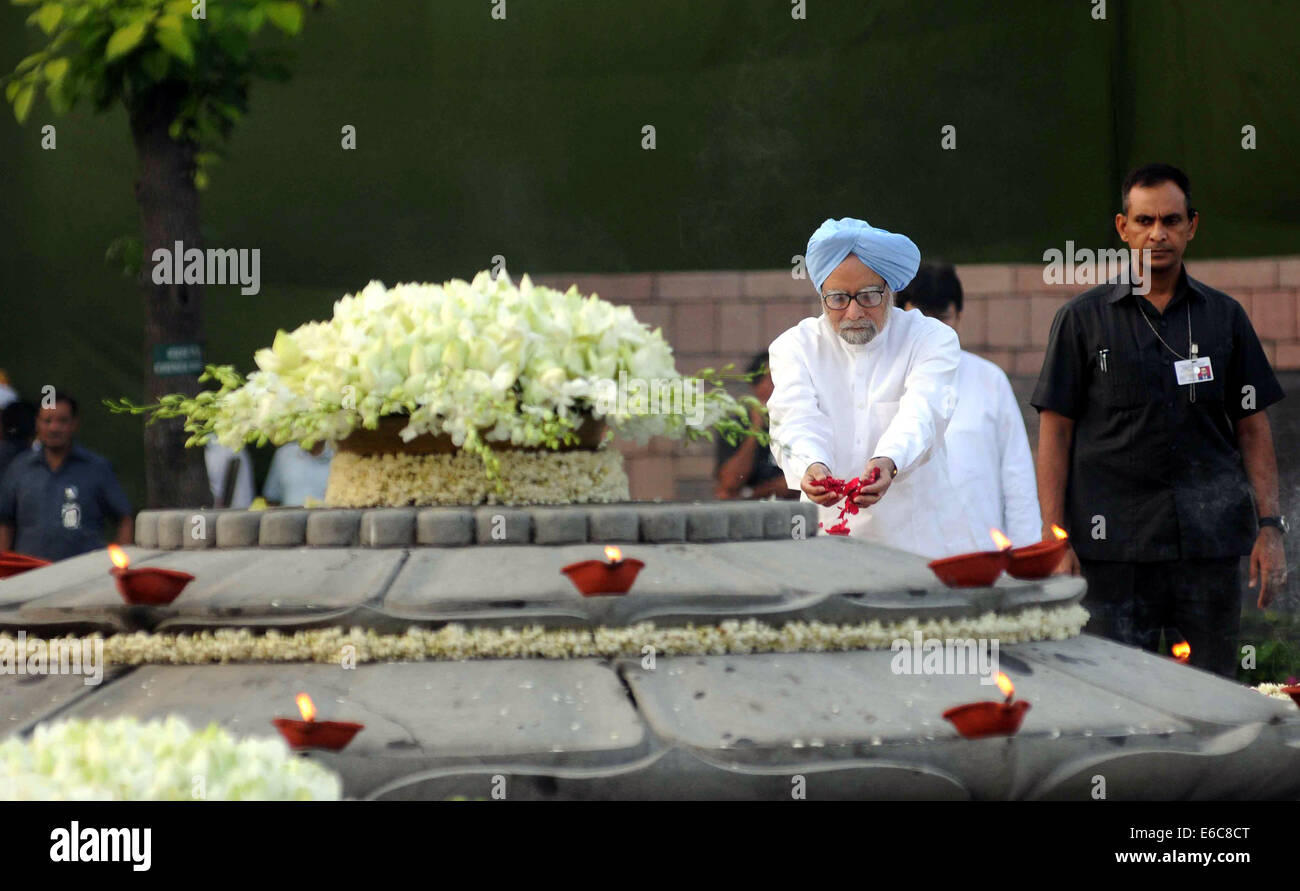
x=858, y=335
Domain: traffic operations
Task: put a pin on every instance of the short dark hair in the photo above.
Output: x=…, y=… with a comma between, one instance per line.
x=64, y=396
x=18, y=421
x=1154, y=175
x=758, y=363
x=934, y=288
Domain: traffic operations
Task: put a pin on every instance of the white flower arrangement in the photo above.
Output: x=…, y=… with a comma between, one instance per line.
x=455, y=642
x=481, y=361
x=123, y=759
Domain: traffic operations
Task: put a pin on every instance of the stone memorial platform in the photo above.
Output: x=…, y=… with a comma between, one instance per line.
x=730, y=724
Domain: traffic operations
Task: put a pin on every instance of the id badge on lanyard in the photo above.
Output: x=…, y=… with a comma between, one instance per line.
x=1194, y=370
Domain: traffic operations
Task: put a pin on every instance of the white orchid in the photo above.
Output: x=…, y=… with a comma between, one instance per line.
x=480, y=361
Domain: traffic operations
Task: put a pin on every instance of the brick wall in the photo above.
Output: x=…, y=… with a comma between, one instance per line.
x=712, y=318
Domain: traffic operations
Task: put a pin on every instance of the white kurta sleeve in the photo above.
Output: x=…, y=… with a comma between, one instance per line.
x=1024, y=523
x=929, y=398
x=801, y=432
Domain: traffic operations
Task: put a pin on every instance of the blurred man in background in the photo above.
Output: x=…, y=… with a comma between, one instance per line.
x=989, y=460
x=746, y=470
x=297, y=476
x=55, y=500
x=230, y=475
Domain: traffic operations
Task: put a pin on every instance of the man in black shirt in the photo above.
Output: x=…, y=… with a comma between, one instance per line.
x=1154, y=449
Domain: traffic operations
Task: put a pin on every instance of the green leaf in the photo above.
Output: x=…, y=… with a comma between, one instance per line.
x=286, y=16
x=11, y=90
x=58, y=97
x=176, y=43
x=124, y=40
x=55, y=69
x=30, y=61
x=47, y=17
x=23, y=102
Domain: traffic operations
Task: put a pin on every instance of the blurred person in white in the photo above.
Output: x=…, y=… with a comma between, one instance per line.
x=229, y=490
x=297, y=475
x=989, y=460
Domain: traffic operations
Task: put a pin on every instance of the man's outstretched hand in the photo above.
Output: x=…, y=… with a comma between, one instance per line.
x=882, y=470
x=816, y=493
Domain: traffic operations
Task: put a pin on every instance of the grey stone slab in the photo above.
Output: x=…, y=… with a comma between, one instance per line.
x=474, y=582
x=146, y=529
x=789, y=519
x=707, y=523
x=677, y=775
x=239, y=529
x=333, y=528
x=76, y=573
x=282, y=529
x=30, y=698
x=662, y=523
x=559, y=525
x=613, y=524
x=1158, y=682
x=171, y=529
x=388, y=527
x=496, y=525
x=787, y=702
x=744, y=520
x=445, y=527
x=417, y=716
x=254, y=587
x=199, y=529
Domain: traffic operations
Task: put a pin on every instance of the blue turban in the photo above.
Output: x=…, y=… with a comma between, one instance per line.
x=891, y=256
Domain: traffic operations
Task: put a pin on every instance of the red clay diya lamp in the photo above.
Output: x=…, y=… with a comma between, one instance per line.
x=1294, y=692
x=312, y=734
x=976, y=720
x=1036, y=561
x=14, y=563
x=150, y=586
x=613, y=575
x=978, y=569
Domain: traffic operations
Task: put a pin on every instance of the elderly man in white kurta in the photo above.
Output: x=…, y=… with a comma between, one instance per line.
x=868, y=385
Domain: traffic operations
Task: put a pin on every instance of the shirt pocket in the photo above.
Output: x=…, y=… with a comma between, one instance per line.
x=1214, y=390
x=1122, y=382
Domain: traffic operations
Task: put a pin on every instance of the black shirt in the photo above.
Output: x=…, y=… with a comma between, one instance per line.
x=1153, y=474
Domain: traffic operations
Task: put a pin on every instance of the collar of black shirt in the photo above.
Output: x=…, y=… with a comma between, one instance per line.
x=1186, y=286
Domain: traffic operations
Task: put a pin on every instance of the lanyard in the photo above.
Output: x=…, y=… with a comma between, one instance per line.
x=1191, y=344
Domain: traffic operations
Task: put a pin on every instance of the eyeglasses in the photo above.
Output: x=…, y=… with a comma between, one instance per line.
x=867, y=298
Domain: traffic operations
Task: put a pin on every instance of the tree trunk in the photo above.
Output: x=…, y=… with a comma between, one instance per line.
x=169, y=212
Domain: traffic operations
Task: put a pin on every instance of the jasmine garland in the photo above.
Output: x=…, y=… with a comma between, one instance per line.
x=455, y=642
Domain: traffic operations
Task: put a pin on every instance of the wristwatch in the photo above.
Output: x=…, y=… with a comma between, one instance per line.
x=1278, y=522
